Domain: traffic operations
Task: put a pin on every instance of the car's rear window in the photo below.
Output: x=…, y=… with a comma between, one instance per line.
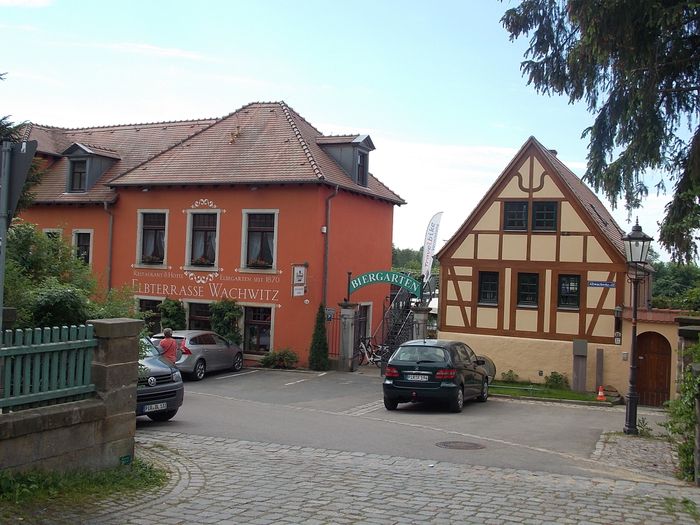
x=420, y=353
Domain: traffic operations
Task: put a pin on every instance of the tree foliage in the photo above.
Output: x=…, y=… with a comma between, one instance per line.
x=636, y=64
x=318, y=354
x=172, y=314
x=225, y=315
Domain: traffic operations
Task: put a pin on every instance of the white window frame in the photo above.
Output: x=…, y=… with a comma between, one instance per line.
x=188, y=244
x=74, y=237
x=244, y=241
x=59, y=231
x=139, y=238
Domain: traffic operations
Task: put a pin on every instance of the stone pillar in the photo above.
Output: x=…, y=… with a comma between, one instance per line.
x=348, y=312
x=420, y=321
x=115, y=375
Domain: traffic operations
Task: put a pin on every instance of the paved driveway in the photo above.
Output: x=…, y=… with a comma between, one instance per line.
x=279, y=447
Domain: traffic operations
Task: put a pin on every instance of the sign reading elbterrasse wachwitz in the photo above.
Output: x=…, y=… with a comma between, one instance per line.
x=383, y=276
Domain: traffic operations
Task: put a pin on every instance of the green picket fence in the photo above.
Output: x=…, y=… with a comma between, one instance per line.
x=43, y=366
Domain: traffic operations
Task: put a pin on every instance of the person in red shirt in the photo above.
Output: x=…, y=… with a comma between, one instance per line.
x=169, y=345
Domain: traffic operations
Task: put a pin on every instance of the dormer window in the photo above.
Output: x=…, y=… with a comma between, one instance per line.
x=78, y=175
x=362, y=168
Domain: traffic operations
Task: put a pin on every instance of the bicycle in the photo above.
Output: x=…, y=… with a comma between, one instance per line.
x=369, y=352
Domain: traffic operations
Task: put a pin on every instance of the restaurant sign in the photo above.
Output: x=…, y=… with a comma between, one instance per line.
x=385, y=277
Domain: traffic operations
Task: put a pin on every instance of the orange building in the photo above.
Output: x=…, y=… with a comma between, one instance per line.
x=258, y=207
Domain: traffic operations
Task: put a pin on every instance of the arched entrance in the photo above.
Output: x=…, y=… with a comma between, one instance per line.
x=654, y=372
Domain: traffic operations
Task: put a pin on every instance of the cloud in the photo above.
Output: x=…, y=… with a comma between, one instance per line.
x=156, y=51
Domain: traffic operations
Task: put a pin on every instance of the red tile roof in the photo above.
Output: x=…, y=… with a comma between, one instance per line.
x=261, y=143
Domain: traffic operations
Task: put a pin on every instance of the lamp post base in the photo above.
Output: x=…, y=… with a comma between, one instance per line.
x=631, y=414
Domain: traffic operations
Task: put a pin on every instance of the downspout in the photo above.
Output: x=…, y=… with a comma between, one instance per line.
x=327, y=233
x=110, y=234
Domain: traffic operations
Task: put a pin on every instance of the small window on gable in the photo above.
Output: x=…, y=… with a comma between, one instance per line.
x=544, y=216
x=515, y=215
x=528, y=289
x=362, y=168
x=78, y=176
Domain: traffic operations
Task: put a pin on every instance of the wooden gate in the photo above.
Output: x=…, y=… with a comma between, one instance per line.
x=654, y=369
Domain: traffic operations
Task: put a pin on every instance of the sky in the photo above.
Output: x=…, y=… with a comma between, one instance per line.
x=437, y=85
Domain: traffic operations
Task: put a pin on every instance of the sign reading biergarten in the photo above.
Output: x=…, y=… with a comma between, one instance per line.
x=385, y=277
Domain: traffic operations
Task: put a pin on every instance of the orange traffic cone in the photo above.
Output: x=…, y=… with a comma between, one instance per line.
x=601, y=394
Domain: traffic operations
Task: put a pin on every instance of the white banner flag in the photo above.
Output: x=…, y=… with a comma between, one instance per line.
x=429, y=245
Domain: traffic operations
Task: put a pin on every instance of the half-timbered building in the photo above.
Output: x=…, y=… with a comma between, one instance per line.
x=535, y=278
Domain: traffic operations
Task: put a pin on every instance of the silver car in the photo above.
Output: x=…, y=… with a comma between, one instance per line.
x=202, y=351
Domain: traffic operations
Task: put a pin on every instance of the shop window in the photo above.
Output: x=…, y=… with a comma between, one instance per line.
x=544, y=216
x=515, y=215
x=569, y=291
x=152, y=238
x=260, y=240
x=257, y=329
x=200, y=317
x=203, y=239
x=488, y=288
x=151, y=314
x=528, y=287
x=82, y=243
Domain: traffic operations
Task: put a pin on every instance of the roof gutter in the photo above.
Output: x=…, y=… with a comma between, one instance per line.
x=326, y=230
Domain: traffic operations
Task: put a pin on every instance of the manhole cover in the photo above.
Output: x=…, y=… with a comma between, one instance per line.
x=459, y=445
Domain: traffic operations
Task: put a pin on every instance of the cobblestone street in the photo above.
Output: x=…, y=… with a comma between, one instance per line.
x=218, y=480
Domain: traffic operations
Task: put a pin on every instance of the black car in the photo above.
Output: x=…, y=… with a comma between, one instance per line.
x=160, y=391
x=435, y=370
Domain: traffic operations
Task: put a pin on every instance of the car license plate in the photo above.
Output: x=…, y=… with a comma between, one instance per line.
x=416, y=377
x=155, y=406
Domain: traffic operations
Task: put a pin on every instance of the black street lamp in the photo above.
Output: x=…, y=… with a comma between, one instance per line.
x=636, y=250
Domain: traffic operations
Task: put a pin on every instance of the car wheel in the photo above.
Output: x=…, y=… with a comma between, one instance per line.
x=238, y=362
x=200, y=368
x=457, y=402
x=166, y=415
x=484, y=395
x=390, y=404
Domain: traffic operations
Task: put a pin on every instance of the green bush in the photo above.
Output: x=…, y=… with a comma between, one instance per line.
x=557, y=381
x=172, y=314
x=681, y=420
x=117, y=302
x=56, y=304
x=510, y=376
x=225, y=315
x=318, y=355
x=282, y=359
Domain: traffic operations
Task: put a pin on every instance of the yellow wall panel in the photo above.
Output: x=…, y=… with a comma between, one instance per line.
x=453, y=316
x=596, y=252
x=487, y=317
x=491, y=219
x=549, y=190
x=567, y=322
x=512, y=189
x=463, y=270
x=451, y=291
x=466, y=249
x=547, y=298
x=605, y=326
x=465, y=289
x=544, y=248
x=571, y=249
x=488, y=246
x=506, y=299
x=570, y=220
x=514, y=247
x=593, y=295
x=526, y=320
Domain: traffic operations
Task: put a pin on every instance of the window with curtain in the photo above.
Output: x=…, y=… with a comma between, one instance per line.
x=203, y=239
x=261, y=239
x=152, y=238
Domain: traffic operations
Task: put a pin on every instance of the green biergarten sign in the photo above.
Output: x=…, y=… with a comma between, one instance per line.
x=385, y=277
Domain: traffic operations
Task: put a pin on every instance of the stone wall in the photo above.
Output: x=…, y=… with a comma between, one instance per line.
x=91, y=434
